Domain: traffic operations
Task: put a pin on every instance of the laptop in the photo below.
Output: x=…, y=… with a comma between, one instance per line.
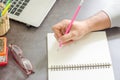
x=30, y=12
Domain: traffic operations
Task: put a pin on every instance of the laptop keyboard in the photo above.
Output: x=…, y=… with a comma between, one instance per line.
x=17, y=6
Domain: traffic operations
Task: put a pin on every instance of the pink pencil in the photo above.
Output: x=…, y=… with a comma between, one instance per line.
x=73, y=19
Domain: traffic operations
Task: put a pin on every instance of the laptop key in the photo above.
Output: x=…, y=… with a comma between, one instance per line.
x=13, y=3
x=12, y=6
x=1, y=0
x=17, y=5
x=17, y=14
x=24, y=4
x=27, y=0
x=4, y=2
x=16, y=0
x=13, y=10
x=9, y=10
x=22, y=7
x=19, y=10
x=19, y=2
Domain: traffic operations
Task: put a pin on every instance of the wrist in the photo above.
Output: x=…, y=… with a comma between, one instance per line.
x=99, y=21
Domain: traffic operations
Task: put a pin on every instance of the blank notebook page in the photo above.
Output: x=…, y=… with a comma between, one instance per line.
x=71, y=61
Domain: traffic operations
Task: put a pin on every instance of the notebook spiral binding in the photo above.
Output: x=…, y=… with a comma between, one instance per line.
x=79, y=66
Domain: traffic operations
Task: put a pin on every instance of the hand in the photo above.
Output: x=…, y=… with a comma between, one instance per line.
x=78, y=30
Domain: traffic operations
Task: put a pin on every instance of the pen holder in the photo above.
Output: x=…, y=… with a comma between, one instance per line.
x=4, y=21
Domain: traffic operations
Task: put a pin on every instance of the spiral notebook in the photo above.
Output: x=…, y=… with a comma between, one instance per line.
x=86, y=59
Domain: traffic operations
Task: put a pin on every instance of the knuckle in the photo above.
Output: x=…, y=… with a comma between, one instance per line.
x=73, y=34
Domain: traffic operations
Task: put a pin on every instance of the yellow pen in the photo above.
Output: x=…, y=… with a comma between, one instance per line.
x=6, y=9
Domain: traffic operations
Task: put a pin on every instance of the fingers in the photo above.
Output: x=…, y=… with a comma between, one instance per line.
x=59, y=29
x=59, y=32
x=67, y=43
x=67, y=37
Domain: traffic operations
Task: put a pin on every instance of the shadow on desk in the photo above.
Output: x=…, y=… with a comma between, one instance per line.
x=113, y=36
x=113, y=33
